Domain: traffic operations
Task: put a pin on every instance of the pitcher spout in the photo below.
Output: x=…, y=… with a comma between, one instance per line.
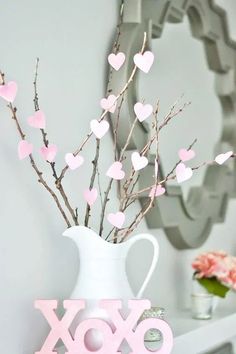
x=81, y=233
x=74, y=232
x=90, y=244
x=85, y=238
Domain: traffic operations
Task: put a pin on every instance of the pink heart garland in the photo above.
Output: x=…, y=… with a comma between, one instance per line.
x=99, y=129
x=74, y=161
x=49, y=153
x=116, y=219
x=221, y=158
x=139, y=162
x=183, y=173
x=37, y=120
x=116, y=60
x=24, y=149
x=157, y=191
x=144, y=61
x=109, y=103
x=186, y=155
x=142, y=111
x=90, y=195
x=115, y=171
x=8, y=91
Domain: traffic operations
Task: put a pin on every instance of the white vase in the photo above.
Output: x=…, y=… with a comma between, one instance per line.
x=203, y=304
x=102, y=272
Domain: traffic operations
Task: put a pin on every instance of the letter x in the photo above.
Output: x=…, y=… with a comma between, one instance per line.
x=59, y=328
x=125, y=327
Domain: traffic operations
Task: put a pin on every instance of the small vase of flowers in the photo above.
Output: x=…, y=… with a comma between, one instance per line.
x=214, y=276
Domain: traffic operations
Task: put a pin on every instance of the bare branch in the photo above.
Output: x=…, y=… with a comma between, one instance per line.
x=169, y=176
x=151, y=202
x=58, y=183
x=123, y=90
x=34, y=166
x=95, y=166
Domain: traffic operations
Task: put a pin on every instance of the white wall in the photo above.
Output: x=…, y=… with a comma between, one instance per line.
x=72, y=40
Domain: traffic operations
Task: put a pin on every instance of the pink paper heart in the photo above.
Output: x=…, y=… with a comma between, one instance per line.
x=157, y=191
x=116, y=60
x=8, y=91
x=139, y=162
x=183, y=173
x=116, y=219
x=24, y=149
x=144, y=61
x=142, y=111
x=221, y=158
x=37, y=120
x=186, y=155
x=109, y=103
x=74, y=161
x=90, y=195
x=115, y=171
x=99, y=129
x=49, y=153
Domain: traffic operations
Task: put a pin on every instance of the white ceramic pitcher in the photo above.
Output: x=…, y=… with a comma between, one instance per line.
x=102, y=273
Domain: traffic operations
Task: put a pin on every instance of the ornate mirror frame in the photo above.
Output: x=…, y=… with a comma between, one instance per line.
x=187, y=224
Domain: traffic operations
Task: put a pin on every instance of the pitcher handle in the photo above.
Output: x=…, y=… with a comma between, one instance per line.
x=155, y=244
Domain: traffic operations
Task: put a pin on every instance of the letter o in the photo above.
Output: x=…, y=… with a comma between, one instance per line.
x=138, y=338
x=99, y=325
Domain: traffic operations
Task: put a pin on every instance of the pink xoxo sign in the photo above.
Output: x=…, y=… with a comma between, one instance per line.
x=124, y=328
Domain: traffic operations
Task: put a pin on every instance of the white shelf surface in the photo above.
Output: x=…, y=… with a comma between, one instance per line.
x=197, y=336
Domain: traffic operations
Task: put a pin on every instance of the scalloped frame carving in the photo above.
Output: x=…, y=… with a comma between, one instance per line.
x=187, y=224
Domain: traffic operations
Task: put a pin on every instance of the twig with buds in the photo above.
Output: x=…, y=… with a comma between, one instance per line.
x=123, y=90
x=58, y=183
x=39, y=174
x=106, y=196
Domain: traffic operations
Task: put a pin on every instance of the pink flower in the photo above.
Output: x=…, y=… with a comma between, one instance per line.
x=210, y=264
x=216, y=264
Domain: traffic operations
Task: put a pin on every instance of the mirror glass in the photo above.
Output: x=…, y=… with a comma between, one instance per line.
x=181, y=69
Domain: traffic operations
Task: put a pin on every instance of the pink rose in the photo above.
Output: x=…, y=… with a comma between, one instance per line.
x=211, y=264
x=216, y=264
